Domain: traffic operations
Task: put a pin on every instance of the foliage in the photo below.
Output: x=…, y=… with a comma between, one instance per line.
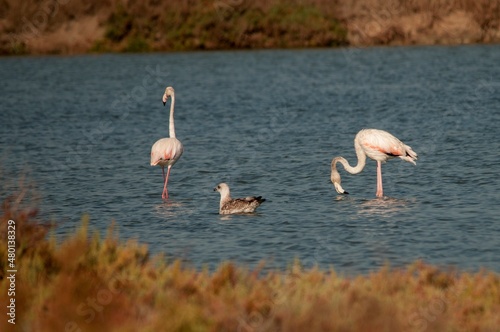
x=111, y=25
x=91, y=283
x=18, y=48
x=136, y=45
x=99, y=46
x=119, y=24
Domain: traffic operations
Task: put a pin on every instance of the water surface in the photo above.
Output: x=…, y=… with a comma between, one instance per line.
x=267, y=123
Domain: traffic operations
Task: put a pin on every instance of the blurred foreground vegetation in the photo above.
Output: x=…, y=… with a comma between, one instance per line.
x=90, y=283
x=68, y=27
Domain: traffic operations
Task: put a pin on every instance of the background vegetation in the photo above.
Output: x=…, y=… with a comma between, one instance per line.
x=90, y=283
x=72, y=26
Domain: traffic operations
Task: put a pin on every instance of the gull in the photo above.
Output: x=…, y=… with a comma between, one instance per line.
x=230, y=205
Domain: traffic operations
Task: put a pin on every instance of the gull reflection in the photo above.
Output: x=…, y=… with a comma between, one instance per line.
x=225, y=217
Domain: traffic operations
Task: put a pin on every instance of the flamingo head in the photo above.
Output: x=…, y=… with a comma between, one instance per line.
x=335, y=178
x=339, y=188
x=169, y=91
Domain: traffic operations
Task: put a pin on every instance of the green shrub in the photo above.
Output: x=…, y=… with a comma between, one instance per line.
x=119, y=24
x=99, y=46
x=137, y=45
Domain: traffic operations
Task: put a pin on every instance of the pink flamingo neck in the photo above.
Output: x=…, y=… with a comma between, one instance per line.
x=171, y=128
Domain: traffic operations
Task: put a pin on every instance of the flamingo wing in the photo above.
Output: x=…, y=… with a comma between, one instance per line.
x=166, y=151
x=382, y=146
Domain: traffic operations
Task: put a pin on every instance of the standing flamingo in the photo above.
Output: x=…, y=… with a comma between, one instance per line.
x=378, y=145
x=166, y=151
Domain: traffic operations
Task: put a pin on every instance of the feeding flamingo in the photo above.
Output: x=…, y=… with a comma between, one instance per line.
x=166, y=151
x=378, y=145
x=229, y=205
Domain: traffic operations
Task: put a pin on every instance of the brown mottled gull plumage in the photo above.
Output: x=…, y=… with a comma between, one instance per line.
x=230, y=205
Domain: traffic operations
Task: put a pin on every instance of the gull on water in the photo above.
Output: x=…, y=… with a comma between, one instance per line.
x=230, y=205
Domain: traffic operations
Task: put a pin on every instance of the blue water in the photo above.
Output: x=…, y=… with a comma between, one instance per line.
x=267, y=123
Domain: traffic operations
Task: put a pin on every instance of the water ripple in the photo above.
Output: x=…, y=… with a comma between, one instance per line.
x=268, y=123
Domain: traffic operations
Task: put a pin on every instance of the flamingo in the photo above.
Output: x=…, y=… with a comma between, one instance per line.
x=229, y=205
x=166, y=151
x=378, y=145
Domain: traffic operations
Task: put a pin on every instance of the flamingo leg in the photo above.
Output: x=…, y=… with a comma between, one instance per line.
x=163, y=171
x=380, y=189
x=164, y=195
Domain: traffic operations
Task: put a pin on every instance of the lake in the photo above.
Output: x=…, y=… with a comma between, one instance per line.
x=267, y=123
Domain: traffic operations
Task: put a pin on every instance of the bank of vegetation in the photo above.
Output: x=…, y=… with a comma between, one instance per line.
x=68, y=27
x=89, y=282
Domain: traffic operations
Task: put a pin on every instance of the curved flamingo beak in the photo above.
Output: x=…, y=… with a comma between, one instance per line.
x=165, y=97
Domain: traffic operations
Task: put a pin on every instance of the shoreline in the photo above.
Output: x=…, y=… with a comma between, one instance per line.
x=60, y=28
x=306, y=49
